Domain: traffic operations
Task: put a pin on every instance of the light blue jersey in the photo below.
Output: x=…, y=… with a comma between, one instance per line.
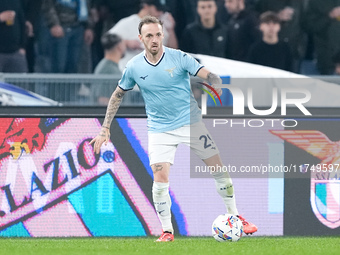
x=165, y=87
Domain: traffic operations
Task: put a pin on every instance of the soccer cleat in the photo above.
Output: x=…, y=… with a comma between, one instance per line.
x=166, y=237
x=248, y=227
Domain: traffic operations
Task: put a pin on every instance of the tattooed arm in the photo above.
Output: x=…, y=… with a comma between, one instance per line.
x=112, y=108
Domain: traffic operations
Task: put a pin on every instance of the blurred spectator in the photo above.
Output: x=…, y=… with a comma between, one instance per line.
x=183, y=12
x=127, y=29
x=119, y=8
x=104, y=20
x=12, y=34
x=42, y=46
x=32, y=10
x=242, y=29
x=114, y=48
x=251, y=4
x=169, y=25
x=323, y=20
x=336, y=61
x=206, y=35
x=70, y=26
x=222, y=13
x=290, y=13
x=270, y=51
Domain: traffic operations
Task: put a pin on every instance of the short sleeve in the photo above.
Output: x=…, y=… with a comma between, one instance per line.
x=126, y=82
x=190, y=64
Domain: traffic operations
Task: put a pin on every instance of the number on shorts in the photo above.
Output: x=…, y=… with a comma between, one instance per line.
x=206, y=139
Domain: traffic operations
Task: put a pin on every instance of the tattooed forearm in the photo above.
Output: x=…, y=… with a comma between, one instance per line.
x=113, y=106
x=214, y=79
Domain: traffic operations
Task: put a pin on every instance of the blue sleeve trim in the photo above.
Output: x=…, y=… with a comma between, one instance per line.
x=124, y=89
x=198, y=70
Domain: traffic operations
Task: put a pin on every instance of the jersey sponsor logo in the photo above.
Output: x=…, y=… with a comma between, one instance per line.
x=325, y=177
x=171, y=71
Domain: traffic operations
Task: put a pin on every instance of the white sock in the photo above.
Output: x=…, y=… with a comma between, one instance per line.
x=162, y=202
x=225, y=188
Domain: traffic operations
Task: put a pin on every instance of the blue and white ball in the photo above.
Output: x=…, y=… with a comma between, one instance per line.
x=227, y=227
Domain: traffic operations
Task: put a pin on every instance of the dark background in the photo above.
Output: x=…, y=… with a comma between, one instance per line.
x=299, y=218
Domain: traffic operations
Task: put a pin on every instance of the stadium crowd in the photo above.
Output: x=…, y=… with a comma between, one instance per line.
x=71, y=36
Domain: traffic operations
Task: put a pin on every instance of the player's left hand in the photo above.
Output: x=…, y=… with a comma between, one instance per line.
x=104, y=136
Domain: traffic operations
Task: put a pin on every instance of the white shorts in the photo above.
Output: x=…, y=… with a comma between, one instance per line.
x=162, y=146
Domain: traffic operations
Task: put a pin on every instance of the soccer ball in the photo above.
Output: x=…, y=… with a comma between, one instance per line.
x=227, y=227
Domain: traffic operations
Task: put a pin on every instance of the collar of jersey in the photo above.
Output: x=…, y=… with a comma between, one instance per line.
x=157, y=61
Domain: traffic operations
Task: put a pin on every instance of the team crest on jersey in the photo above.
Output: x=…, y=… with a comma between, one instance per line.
x=325, y=176
x=171, y=71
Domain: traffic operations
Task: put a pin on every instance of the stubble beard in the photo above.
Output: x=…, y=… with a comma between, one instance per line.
x=154, y=52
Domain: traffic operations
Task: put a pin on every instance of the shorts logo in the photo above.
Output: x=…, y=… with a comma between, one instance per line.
x=325, y=178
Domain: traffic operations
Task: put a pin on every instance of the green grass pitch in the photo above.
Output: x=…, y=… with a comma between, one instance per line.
x=181, y=245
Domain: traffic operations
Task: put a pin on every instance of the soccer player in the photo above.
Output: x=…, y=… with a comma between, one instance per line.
x=162, y=75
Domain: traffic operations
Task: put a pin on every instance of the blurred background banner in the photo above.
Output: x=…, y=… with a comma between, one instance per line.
x=48, y=171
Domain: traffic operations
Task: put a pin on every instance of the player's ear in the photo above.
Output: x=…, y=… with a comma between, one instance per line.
x=140, y=37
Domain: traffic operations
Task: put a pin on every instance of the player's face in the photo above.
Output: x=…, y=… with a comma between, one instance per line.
x=152, y=37
x=206, y=9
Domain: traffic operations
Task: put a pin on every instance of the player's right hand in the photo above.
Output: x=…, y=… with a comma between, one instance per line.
x=104, y=136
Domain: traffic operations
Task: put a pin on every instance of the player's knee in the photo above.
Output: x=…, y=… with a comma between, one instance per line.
x=161, y=172
x=160, y=177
